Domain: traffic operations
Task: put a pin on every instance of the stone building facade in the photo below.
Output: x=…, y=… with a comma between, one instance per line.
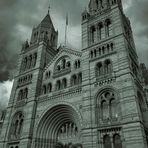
x=62, y=98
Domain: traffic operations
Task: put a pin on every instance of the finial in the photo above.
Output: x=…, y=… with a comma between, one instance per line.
x=49, y=7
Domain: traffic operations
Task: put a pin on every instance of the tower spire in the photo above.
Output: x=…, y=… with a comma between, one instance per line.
x=49, y=7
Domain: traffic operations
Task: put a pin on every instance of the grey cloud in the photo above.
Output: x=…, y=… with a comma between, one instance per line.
x=138, y=12
x=29, y=13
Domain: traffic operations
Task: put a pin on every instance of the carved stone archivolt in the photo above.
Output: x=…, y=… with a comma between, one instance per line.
x=59, y=128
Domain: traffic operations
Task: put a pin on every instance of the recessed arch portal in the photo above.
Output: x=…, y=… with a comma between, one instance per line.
x=60, y=119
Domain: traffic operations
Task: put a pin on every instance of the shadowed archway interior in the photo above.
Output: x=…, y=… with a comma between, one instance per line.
x=58, y=125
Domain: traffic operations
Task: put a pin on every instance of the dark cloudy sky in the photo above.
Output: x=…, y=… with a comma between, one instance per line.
x=17, y=17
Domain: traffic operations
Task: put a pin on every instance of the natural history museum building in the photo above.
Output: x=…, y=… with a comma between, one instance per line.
x=92, y=98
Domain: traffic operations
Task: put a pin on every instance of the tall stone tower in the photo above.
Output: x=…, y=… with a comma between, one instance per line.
x=62, y=98
x=114, y=105
x=17, y=129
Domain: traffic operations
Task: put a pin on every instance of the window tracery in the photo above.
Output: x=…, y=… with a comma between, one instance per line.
x=16, y=126
x=108, y=106
x=103, y=68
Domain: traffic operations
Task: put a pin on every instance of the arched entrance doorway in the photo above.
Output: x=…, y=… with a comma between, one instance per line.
x=60, y=127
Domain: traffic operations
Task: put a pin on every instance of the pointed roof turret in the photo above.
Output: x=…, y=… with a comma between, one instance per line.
x=47, y=22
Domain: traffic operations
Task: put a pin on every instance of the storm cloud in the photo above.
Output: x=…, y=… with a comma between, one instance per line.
x=19, y=16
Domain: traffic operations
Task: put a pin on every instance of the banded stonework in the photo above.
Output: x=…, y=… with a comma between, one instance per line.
x=93, y=98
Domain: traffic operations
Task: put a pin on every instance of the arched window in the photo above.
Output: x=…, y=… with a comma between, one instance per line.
x=112, y=46
x=16, y=126
x=108, y=48
x=34, y=60
x=44, y=89
x=76, y=64
x=113, y=106
x=104, y=110
x=109, y=107
x=108, y=28
x=108, y=66
x=25, y=93
x=107, y=141
x=68, y=64
x=80, y=78
x=99, y=69
x=73, y=80
x=30, y=62
x=64, y=83
x=58, y=85
x=93, y=30
x=63, y=64
x=117, y=141
x=91, y=54
x=49, y=87
x=101, y=31
x=58, y=68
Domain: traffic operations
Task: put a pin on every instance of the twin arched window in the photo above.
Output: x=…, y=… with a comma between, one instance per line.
x=61, y=84
x=108, y=106
x=23, y=94
x=103, y=68
x=77, y=64
x=47, y=88
x=76, y=79
x=107, y=141
x=16, y=126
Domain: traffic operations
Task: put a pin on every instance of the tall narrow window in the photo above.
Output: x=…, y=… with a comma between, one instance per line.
x=25, y=93
x=58, y=85
x=108, y=66
x=30, y=62
x=108, y=28
x=34, y=60
x=107, y=142
x=64, y=83
x=99, y=69
x=93, y=32
x=49, y=87
x=80, y=78
x=104, y=110
x=117, y=141
x=73, y=80
x=113, y=107
x=44, y=90
x=100, y=31
x=63, y=63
